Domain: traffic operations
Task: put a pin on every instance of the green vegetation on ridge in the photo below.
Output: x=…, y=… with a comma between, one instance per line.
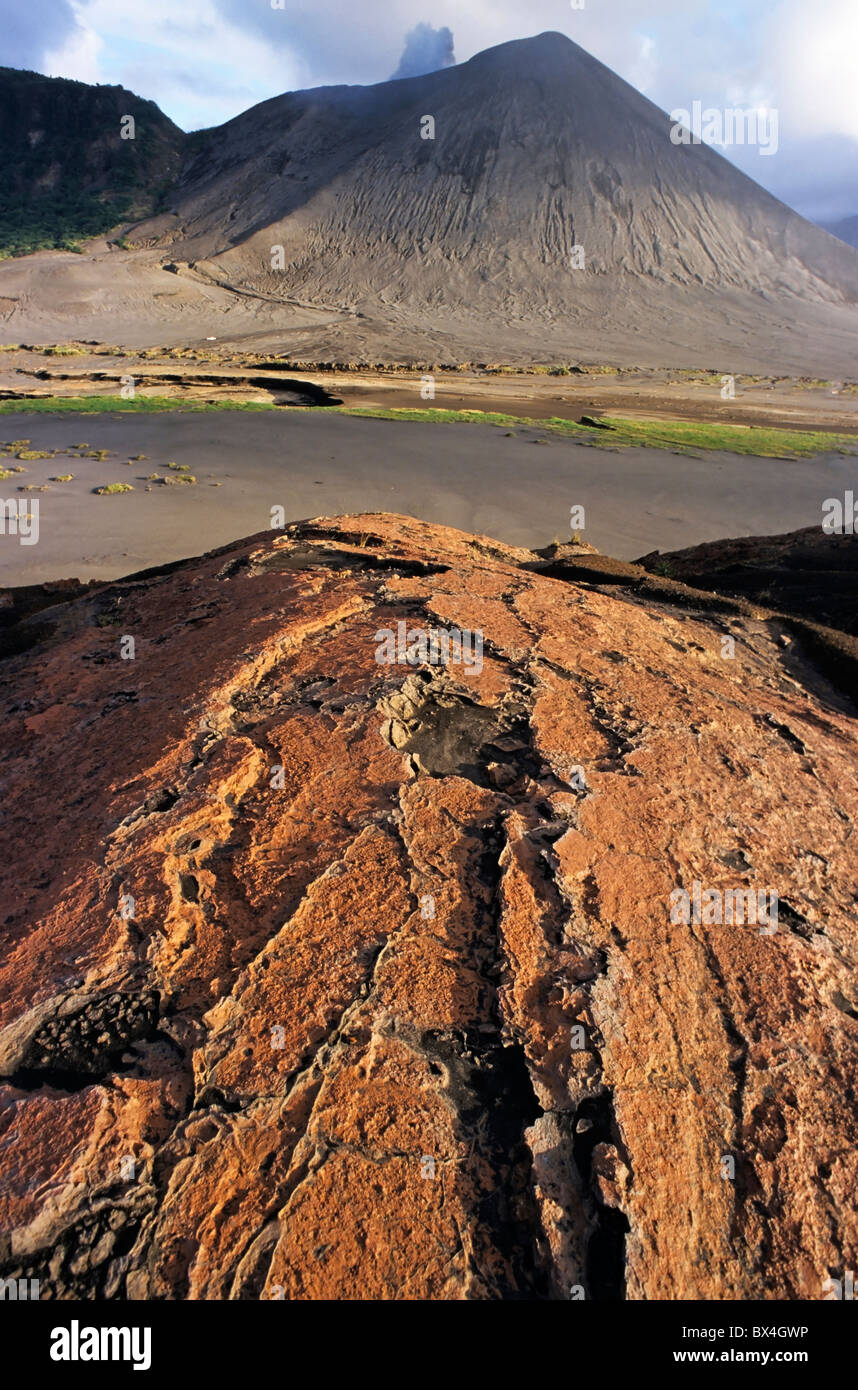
x=66, y=174
x=109, y=405
x=680, y=436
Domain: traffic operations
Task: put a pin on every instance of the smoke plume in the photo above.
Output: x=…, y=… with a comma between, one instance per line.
x=426, y=50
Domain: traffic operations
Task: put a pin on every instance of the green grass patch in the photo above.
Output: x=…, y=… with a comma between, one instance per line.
x=110, y=488
x=450, y=417
x=680, y=436
x=677, y=435
x=108, y=405
x=759, y=440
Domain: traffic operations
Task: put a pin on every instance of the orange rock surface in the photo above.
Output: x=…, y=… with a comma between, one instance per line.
x=330, y=978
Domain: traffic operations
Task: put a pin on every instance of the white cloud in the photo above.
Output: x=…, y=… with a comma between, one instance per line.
x=78, y=57
x=813, y=52
x=198, y=67
x=642, y=74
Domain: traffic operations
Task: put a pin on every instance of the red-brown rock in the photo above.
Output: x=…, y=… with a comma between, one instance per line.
x=326, y=978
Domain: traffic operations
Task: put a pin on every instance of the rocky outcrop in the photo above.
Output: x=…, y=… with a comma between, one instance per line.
x=811, y=573
x=326, y=976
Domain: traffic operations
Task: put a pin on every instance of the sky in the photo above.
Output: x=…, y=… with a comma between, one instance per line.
x=204, y=61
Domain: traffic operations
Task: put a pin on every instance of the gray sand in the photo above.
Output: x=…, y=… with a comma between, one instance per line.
x=470, y=476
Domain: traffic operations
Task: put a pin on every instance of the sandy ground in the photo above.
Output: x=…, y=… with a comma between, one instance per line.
x=311, y=462
x=627, y=395
x=211, y=371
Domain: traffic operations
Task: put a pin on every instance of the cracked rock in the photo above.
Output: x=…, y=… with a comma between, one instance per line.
x=337, y=979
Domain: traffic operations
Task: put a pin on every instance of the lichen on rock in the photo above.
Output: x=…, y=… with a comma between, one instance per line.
x=399, y=1009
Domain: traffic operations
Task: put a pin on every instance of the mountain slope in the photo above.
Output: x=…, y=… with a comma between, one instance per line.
x=464, y=246
x=538, y=148
x=65, y=171
x=846, y=230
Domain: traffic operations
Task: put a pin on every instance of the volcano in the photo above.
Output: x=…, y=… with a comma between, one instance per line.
x=526, y=205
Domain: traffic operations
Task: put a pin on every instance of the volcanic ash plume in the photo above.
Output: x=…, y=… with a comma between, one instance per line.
x=426, y=50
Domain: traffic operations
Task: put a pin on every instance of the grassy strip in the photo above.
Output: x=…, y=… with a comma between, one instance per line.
x=762, y=441
x=681, y=436
x=108, y=405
